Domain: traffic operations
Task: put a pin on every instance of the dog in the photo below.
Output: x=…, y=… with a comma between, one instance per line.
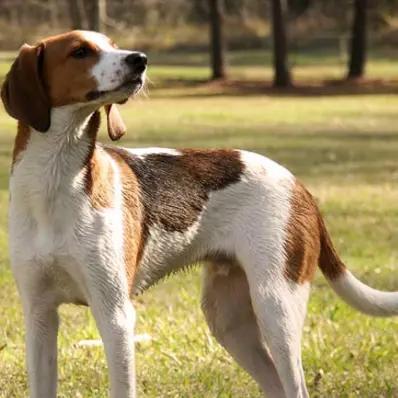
x=95, y=225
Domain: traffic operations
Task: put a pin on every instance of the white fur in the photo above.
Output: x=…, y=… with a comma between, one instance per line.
x=165, y=252
x=111, y=70
x=142, y=152
x=364, y=298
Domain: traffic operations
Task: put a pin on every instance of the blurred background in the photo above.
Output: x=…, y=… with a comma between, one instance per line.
x=231, y=32
x=311, y=84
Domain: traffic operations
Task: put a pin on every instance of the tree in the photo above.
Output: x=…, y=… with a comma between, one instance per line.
x=281, y=70
x=217, y=41
x=357, y=60
x=96, y=14
x=298, y=7
x=76, y=14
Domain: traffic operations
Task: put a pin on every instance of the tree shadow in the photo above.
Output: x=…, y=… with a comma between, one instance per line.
x=233, y=87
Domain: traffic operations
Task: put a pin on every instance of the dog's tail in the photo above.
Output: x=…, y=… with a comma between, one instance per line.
x=350, y=289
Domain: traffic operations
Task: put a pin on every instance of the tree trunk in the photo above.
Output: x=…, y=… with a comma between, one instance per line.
x=52, y=8
x=76, y=14
x=281, y=70
x=217, y=42
x=96, y=14
x=358, y=41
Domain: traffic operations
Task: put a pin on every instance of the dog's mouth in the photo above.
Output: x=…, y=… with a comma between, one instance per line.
x=128, y=88
x=134, y=84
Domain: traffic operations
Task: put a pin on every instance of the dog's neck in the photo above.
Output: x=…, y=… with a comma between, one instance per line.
x=72, y=135
x=56, y=160
x=72, y=129
x=68, y=123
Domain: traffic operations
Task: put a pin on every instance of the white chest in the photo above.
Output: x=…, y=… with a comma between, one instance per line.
x=42, y=210
x=43, y=218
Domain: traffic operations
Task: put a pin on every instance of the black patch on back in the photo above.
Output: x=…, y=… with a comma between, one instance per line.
x=174, y=188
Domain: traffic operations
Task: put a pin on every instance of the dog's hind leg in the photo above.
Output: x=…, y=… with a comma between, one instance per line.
x=280, y=309
x=228, y=310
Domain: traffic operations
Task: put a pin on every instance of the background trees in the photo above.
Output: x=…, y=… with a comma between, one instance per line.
x=286, y=26
x=217, y=41
x=358, y=48
x=281, y=70
x=88, y=14
x=76, y=14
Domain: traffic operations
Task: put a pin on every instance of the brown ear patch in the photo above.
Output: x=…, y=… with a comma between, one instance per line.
x=302, y=244
x=115, y=124
x=23, y=93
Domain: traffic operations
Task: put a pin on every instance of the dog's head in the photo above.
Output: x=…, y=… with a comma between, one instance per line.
x=79, y=67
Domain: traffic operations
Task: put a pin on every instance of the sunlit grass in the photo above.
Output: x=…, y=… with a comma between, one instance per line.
x=343, y=147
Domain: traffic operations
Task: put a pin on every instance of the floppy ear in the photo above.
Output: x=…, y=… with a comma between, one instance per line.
x=23, y=93
x=116, y=126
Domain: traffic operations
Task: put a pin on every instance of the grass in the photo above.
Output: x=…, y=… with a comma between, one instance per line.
x=343, y=146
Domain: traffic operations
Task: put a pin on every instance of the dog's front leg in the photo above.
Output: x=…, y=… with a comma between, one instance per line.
x=116, y=326
x=41, y=319
x=115, y=318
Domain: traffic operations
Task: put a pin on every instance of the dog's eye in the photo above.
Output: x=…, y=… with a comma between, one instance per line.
x=81, y=52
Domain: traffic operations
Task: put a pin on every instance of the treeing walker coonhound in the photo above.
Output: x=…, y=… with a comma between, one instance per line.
x=93, y=224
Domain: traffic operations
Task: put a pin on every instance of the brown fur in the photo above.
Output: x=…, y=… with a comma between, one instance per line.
x=99, y=183
x=21, y=141
x=214, y=168
x=329, y=261
x=308, y=243
x=134, y=241
x=47, y=75
x=67, y=79
x=101, y=175
x=226, y=301
x=23, y=92
x=116, y=126
x=302, y=243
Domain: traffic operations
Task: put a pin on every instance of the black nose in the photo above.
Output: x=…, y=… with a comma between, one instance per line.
x=137, y=61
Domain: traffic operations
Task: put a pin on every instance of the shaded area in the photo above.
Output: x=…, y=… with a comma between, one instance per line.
x=231, y=87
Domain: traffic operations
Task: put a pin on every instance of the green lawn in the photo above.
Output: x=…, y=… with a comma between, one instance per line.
x=343, y=146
